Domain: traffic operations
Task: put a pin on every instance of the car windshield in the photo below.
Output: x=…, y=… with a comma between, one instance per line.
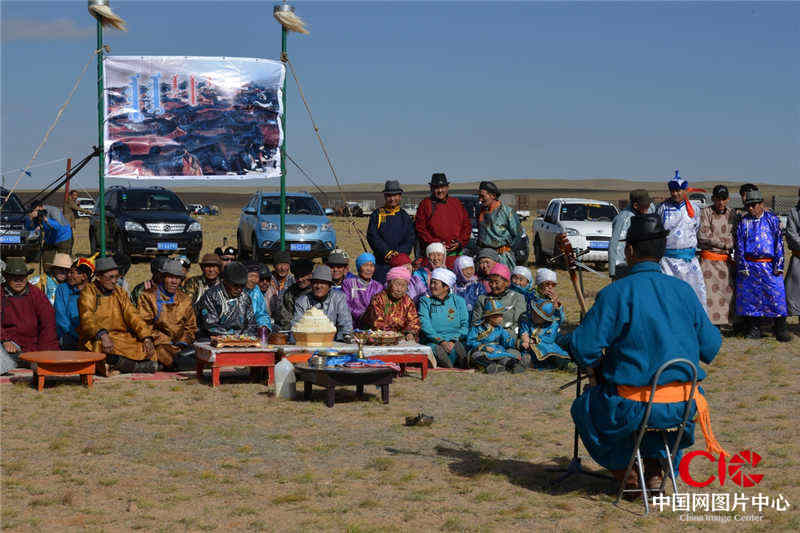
x=295, y=205
x=150, y=201
x=11, y=204
x=588, y=212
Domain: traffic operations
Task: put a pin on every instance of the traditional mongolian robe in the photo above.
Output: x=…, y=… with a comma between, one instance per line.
x=400, y=316
x=679, y=259
x=792, y=282
x=546, y=352
x=196, y=286
x=112, y=312
x=759, y=267
x=514, y=304
x=487, y=343
x=67, y=318
x=172, y=320
x=499, y=229
x=219, y=314
x=359, y=294
x=285, y=311
x=444, y=320
x=715, y=240
x=260, y=310
x=469, y=289
x=389, y=232
x=47, y=284
x=443, y=222
x=641, y=321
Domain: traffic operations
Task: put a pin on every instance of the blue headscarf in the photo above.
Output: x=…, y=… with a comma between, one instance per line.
x=366, y=257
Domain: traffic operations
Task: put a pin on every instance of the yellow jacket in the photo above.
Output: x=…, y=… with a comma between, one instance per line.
x=114, y=313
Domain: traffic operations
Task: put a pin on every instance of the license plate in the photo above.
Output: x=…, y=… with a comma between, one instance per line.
x=598, y=245
x=10, y=239
x=168, y=246
x=300, y=247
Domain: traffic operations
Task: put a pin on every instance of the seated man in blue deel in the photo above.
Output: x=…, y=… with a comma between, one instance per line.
x=641, y=321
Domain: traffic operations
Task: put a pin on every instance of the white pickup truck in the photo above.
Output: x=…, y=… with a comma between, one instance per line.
x=587, y=224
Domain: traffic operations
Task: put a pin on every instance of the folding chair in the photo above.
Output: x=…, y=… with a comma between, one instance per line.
x=645, y=428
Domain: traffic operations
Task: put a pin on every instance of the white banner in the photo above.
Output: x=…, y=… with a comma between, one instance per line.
x=192, y=117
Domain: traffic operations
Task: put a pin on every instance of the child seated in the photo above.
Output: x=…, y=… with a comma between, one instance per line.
x=546, y=282
x=538, y=331
x=522, y=282
x=491, y=346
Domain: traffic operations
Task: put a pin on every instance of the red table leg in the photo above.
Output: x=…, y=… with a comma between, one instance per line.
x=39, y=382
x=215, y=376
x=424, y=369
x=271, y=375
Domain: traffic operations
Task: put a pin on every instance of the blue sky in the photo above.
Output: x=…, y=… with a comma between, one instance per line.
x=476, y=89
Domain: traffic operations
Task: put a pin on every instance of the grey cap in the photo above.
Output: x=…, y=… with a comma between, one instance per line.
x=490, y=253
x=753, y=197
x=173, y=267
x=235, y=272
x=322, y=273
x=640, y=196
x=104, y=264
x=336, y=259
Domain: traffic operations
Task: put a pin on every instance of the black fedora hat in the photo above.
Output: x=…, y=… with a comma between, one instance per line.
x=438, y=180
x=392, y=187
x=646, y=228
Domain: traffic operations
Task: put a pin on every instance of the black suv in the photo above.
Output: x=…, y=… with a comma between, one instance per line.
x=473, y=207
x=147, y=221
x=15, y=240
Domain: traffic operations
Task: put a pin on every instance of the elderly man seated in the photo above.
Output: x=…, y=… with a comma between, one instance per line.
x=392, y=309
x=28, y=321
x=111, y=324
x=332, y=302
x=196, y=286
x=282, y=309
x=168, y=311
x=226, y=308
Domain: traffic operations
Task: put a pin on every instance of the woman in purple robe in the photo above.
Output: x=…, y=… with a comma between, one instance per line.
x=360, y=289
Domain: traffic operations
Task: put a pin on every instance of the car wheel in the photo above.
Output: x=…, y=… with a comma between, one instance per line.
x=539, y=257
x=194, y=258
x=244, y=254
x=33, y=255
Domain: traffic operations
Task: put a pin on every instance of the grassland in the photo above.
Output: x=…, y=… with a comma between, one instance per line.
x=180, y=456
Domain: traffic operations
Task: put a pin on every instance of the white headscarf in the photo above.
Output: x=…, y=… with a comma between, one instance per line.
x=435, y=247
x=524, y=272
x=445, y=276
x=545, y=274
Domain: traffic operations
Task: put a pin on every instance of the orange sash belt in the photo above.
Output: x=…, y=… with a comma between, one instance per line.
x=708, y=255
x=678, y=392
x=503, y=249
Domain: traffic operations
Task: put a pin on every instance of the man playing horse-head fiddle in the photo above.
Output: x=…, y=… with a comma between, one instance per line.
x=641, y=321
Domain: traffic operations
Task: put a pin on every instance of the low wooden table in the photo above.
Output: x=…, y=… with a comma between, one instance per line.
x=216, y=358
x=332, y=377
x=58, y=363
x=404, y=354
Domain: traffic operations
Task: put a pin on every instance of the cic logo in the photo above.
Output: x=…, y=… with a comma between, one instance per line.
x=734, y=469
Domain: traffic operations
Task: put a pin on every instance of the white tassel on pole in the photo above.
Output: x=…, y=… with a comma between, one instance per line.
x=289, y=20
x=103, y=13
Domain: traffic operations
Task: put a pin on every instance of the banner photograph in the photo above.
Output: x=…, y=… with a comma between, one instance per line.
x=192, y=117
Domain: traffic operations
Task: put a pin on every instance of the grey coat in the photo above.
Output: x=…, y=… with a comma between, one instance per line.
x=515, y=306
x=792, y=281
x=335, y=308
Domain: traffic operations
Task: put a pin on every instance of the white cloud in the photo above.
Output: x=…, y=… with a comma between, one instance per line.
x=37, y=30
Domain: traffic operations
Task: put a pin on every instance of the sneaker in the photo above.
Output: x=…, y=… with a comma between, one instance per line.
x=494, y=368
x=146, y=367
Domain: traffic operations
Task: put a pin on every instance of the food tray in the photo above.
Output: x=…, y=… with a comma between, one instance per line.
x=378, y=338
x=235, y=341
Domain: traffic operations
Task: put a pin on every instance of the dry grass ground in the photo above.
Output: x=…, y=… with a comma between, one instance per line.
x=180, y=456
